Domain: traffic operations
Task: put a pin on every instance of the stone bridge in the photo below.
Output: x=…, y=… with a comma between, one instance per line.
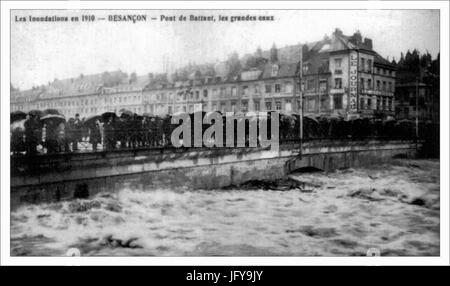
x=45, y=178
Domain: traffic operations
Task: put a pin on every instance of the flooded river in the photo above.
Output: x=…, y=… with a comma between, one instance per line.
x=392, y=207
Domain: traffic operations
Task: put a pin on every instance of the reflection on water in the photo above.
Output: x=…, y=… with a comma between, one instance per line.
x=394, y=208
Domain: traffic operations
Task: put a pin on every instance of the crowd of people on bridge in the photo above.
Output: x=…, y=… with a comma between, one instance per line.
x=48, y=131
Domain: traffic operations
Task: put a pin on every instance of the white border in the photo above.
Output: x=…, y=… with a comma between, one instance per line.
x=5, y=259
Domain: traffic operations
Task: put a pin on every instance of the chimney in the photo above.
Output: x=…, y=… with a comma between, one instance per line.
x=337, y=32
x=274, y=54
x=357, y=37
x=368, y=43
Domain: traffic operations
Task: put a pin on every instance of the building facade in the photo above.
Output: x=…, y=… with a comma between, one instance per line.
x=340, y=75
x=271, y=86
x=343, y=75
x=417, y=99
x=418, y=88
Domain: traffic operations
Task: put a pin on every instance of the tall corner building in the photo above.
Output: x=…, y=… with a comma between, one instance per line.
x=343, y=75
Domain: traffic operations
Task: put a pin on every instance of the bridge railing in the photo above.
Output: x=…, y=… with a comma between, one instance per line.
x=147, y=139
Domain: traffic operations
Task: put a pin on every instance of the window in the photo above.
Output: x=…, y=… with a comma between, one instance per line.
x=256, y=89
x=323, y=85
x=274, y=70
x=337, y=100
x=338, y=62
x=369, y=65
x=378, y=85
x=205, y=93
x=288, y=105
x=233, y=106
x=369, y=83
x=311, y=104
x=390, y=86
x=197, y=94
x=233, y=91
x=278, y=105
x=338, y=83
x=222, y=91
x=363, y=63
x=268, y=105
x=277, y=88
x=223, y=107
x=245, y=90
x=384, y=86
x=361, y=103
x=288, y=87
x=244, y=105
x=362, y=84
x=369, y=103
x=268, y=88
x=256, y=104
x=305, y=68
x=310, y=84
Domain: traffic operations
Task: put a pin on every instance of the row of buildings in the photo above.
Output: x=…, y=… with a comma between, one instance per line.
x=338, y=75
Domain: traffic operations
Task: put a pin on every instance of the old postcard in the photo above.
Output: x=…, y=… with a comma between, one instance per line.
x=270, y=132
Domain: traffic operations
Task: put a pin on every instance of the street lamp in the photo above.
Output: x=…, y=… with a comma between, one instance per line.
x=301, y=96
x=417, y=108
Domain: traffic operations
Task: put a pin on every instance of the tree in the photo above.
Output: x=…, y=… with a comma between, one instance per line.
x=255, y=61
x=12, y=88
x=402, y=58
x=414, y=65
x=133, y=77
x=435, y=65
x=113, y=79
x=258, y=53
x=234, y=64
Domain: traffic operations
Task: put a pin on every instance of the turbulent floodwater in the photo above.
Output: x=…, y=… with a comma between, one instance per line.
x=394, y=208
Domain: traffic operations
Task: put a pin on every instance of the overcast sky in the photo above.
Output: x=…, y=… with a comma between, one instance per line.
x=41, y=52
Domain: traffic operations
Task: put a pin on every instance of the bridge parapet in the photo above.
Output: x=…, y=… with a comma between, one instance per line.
x=58, y=176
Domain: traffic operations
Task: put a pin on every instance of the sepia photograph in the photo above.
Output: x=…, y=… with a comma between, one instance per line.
x=224, y=132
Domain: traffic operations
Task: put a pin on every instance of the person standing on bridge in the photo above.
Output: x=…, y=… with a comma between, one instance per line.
x=32, y=131
x=95, y=135
x=76, y=127
x=110, y=137
x=71, y=134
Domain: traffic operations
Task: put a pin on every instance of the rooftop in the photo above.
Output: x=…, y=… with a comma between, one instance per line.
x=249, y=67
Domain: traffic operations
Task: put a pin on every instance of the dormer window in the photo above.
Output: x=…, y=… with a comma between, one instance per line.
x=305, y=68
x=275, y=70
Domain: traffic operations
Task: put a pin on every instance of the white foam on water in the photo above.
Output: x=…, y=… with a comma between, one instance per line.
x=394, y=208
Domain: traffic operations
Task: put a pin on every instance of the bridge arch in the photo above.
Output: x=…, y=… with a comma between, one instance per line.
x=307, y=169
